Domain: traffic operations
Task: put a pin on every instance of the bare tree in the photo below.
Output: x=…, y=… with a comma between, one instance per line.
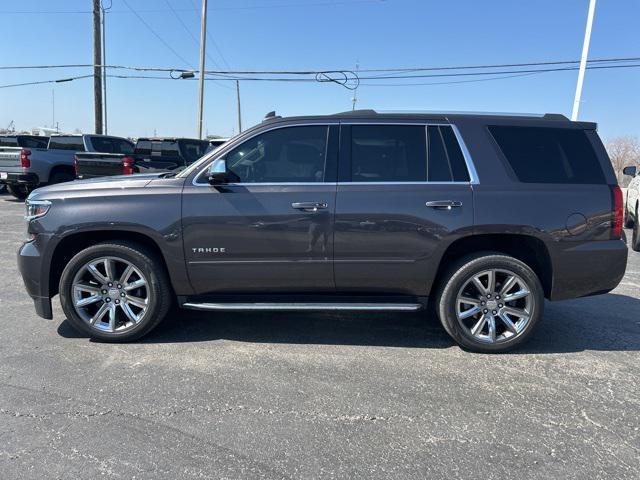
x=623, y=151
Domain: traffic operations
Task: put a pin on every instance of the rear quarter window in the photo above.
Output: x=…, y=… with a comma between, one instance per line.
x=549, y=155
x=66, y=143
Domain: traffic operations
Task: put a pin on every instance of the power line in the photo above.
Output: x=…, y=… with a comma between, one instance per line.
x=162, y=40
x=509, y=74
x=188, y=30
x=309, y=72
x=215, y=44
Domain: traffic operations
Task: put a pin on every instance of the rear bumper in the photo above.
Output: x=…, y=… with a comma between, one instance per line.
x=589, y=268
x=15, y=178
x=35, y=274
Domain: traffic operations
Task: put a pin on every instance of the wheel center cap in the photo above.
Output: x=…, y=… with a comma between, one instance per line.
x=113, y=292
x=492, y=304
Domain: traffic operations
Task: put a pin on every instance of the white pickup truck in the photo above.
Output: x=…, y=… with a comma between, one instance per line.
x=632, y=206
x=25, y=167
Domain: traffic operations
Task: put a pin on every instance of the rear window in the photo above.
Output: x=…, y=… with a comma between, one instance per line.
x=8, y=142
x=66, y=143
x=33, y=142
x=549, y=155
x=192, y=150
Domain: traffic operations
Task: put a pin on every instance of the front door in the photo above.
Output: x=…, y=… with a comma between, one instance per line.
x=402, y=190
x=271, y=229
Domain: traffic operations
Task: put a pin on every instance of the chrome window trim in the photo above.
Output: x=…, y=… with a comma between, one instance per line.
x=471, y=169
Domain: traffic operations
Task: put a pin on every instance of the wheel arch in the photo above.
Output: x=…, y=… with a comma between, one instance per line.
x=61, y=169
x=526, y=248
x=71, y=244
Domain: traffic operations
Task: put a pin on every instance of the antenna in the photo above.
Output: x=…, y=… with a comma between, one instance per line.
x=355, y=90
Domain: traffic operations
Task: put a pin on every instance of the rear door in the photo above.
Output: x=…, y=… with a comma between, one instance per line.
x=402, y=190
x=271, y=229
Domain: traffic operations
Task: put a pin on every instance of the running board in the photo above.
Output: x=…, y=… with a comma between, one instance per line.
x=303, y=306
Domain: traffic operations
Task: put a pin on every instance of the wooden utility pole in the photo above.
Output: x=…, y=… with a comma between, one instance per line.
x=97, y=69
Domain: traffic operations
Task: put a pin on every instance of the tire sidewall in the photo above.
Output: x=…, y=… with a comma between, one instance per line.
x=472, y=266
x=141, y=261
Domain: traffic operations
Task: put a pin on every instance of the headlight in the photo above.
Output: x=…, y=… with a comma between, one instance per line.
x=36, y=208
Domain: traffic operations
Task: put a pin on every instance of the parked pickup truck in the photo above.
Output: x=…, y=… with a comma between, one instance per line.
x=10, y=146
x=25, y=167
x=149, y=155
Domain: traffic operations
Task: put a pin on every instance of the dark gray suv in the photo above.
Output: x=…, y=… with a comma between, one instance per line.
x=481, y=217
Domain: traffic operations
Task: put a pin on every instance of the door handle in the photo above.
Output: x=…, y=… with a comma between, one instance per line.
x=309, y=206
x=444, y=204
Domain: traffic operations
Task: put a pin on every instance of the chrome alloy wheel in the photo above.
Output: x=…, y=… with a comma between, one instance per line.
x=494, y=306
x=110, y=294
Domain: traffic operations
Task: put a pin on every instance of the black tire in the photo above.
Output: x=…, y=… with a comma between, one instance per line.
x=628, y=219
x=21, y=192
x=160, y=293
x=635, y=236
x=60, y=177
x=460, y=273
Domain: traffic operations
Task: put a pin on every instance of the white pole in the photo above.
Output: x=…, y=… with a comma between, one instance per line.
x=104, y=70
x=203, y=42
x=583, y=60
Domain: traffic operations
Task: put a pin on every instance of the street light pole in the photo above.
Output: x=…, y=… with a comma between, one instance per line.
x=583, y=60
x=203, y=44
x=239, y=112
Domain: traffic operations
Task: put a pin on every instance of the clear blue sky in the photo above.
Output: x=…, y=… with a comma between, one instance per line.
x=317, y=34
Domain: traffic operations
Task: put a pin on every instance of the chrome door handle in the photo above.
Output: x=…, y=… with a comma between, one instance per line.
x=444, y=204
x=309, y=206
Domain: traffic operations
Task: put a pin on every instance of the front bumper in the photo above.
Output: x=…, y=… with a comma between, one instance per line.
x=589, y=268
x=34, y=269
x=15, y=178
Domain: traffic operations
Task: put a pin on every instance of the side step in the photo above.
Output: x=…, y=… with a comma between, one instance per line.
x=266, y=306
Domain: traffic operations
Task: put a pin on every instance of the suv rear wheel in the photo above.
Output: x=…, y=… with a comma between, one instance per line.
x=490, y=302
x=115, y=292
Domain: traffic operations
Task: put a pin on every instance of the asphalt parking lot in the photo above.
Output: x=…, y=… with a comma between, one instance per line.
x=366, y=395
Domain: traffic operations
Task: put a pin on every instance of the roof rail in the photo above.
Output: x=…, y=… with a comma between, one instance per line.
x=355, y=113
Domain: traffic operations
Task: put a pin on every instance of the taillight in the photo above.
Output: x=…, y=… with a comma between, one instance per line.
x=24, y=158
x=618, y=212
x=75, y=164
x=127, y=166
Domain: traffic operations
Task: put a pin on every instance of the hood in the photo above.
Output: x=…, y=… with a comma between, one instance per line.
x=117, y=182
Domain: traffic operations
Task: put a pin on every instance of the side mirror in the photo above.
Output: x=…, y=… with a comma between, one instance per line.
x=218, y=172
x=631, y=171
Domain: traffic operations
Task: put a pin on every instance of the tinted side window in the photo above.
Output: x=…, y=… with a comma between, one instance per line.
x=549, y=155
x=143, y=147
x=291, y=154
x=168, y=148
x=66, y=143
x=33, y=142
x=446, y=161
x=388, y=153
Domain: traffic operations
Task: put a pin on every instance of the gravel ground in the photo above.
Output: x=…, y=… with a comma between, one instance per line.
x=317, y=396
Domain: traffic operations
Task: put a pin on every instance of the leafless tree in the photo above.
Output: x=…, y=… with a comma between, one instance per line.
x=623, y=151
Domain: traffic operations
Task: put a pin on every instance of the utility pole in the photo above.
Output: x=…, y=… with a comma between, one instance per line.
x=203, y=44
x=97, y=69
x=583, y=60
x=104, y=65
x=239, y=112
x=53, y=108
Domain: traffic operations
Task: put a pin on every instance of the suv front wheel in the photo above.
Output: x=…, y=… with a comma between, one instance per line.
x=115, y=292
x=490, y=302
